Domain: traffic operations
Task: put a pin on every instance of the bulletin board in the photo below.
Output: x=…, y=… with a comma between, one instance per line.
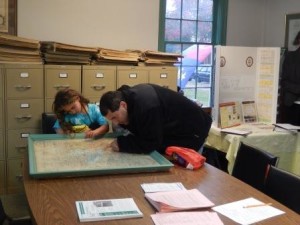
x=53, y=155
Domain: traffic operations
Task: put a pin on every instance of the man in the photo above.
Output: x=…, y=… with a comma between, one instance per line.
x=155, y=117
x=291, y=84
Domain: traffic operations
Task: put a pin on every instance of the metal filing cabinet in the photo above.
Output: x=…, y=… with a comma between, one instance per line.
x=59, y=77
x=164, y=76
x=24, y=102
x=96, y=80
x=2, y=128
x=131, y=75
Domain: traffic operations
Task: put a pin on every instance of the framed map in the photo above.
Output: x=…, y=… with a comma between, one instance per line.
x=54, y=155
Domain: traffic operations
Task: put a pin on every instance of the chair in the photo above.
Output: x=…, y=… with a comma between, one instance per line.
x=283, y=187
x=251, y=165
x=48, y=120
x=14, y=209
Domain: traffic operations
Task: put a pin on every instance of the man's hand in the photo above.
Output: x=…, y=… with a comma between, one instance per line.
x=114, y=146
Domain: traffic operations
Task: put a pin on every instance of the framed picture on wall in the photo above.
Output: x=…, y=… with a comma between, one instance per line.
x=8, y=16
x=292, y=27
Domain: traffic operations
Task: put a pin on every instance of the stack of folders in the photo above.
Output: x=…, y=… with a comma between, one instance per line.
x=170, y=202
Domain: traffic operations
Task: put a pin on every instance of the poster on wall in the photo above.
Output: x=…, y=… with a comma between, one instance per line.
x=247, y=74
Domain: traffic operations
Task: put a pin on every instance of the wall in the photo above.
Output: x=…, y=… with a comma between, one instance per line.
x=258, y=23
x=122, y=24
x=245, y=22
x=117, y=24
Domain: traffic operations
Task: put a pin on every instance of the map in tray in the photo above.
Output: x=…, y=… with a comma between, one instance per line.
x=53, y=155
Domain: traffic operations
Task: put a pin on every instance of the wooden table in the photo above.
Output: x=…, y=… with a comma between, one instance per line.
x=52, y=201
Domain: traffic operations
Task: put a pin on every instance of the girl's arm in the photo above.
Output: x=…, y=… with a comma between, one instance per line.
x=94, y=133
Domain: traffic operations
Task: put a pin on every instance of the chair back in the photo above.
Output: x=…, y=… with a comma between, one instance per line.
x=251, y=165
x=2, y=213
x=48, y=120
x=283, y=187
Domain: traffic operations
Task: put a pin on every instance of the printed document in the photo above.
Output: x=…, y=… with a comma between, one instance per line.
x=178, y=200
x=107, y=209
x=157, y=187
x=247, y=211
x=187, y=218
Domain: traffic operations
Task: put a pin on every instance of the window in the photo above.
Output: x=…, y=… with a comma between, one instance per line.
x=191, y=28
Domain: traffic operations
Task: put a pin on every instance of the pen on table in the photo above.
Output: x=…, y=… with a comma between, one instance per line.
x=257, y=205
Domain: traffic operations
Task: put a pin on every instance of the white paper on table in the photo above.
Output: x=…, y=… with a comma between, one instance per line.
x=237, y=211
x=157, y=187
x=187, y=218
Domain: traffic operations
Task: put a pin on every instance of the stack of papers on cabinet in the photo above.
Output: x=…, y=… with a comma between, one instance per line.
x=160, y=58
x=60, y=53
x=110, y=56
x=107, y=209
x=171, y=201
x=19, y=50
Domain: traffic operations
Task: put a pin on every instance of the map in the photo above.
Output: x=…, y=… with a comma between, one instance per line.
x=84, y=154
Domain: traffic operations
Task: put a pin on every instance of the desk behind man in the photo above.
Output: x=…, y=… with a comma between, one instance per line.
x=285, y=145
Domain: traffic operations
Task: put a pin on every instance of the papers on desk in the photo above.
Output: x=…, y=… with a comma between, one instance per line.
x=242, y=212
x=187, y=218
x=107, y=209
x=158, y=187
x=286, y=127
x=236, y=131
x=178, y=200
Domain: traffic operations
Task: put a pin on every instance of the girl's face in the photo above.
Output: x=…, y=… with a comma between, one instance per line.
x=73, y=108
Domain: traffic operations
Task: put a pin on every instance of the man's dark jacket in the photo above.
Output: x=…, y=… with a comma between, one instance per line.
x=159, y=117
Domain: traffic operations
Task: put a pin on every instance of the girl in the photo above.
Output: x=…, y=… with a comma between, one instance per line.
x=75, y=114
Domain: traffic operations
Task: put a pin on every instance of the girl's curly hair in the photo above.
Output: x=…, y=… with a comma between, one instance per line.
x=63, y=98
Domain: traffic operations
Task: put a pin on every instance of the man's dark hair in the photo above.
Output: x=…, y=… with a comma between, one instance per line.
x=110, y=101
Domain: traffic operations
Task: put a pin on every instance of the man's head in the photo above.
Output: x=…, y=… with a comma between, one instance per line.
x=114, y=107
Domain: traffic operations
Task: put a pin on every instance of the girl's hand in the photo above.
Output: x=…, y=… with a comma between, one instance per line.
x=90, y=134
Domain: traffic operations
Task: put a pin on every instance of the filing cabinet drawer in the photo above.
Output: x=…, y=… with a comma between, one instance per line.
x=25, y=83
x=131, y=75
x=14, y=176
x=25, y=113
x=1, y=83
x=2, y=177
x=1, y=114
x=61, y=77
x=164, y=76
x=2, y=155
x=17, y=142
x=97, y=80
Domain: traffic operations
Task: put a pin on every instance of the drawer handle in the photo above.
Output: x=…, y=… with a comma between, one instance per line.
x=165, y=86
x=21, y=149
x=98, y=87
x=24, y=117
x=23, y=87
x=59, y=87
x=21, y=146
x=19, y=177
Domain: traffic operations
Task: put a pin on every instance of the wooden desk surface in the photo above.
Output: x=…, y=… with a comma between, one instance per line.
x=52, y=201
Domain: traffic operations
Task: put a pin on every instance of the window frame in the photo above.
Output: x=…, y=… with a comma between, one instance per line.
x=220, y=9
